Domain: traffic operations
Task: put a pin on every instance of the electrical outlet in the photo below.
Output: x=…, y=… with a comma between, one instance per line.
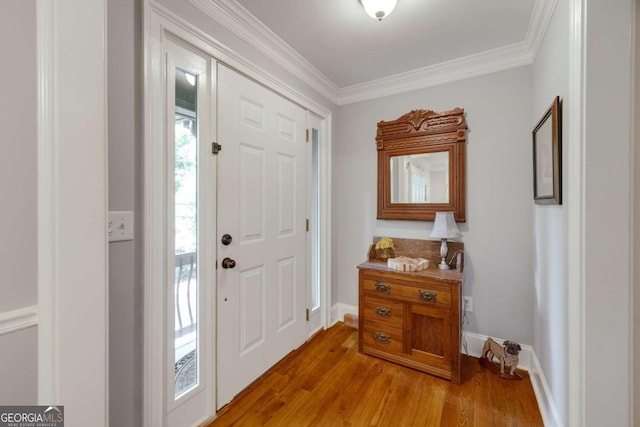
x=120, y=226
x=468, y=304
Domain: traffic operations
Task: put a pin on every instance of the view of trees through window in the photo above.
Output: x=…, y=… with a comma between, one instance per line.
x=186, y=183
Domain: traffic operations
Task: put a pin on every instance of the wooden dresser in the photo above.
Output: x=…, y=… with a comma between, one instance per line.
x=411, y=318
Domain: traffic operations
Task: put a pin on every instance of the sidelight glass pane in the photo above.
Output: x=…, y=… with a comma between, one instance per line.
x=186, y=234
x=315, y=229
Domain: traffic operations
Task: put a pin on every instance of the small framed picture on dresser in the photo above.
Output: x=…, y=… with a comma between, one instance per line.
x=547, y=157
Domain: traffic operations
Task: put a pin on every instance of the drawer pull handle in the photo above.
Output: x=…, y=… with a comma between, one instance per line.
x=381, y=287
x=382, y=337
x=428, y=296
x=382, y=311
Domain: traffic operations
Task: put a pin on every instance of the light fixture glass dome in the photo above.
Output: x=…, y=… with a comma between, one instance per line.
x=378, y=9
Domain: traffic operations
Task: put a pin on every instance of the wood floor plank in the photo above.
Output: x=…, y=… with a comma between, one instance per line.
x=326, y=382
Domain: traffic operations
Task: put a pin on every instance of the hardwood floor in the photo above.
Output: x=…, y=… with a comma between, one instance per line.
x=326, y=382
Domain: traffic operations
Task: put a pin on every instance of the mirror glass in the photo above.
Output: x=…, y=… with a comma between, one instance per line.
x=420, y=178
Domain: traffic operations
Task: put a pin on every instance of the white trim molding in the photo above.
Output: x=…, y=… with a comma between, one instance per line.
x=238, y=20
x=546, y=403
x=576, y=208
x=19, y=319
x=72, y=259
x=540, y=19
x=48, y=351
x=338, y=311
x=479, y=64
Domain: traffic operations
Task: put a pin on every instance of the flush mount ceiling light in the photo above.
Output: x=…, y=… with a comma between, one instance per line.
x=378, y=9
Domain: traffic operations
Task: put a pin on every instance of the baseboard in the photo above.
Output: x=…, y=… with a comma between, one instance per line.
x=339, y=310
x=546, y=404
x=16, y=320
x=528, y=361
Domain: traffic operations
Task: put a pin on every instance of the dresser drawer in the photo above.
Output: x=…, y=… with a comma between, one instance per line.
x=383, y=311
x=425, y=293
x=382, y=338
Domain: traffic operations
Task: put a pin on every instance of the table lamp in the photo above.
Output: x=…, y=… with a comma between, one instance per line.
x=444, y=227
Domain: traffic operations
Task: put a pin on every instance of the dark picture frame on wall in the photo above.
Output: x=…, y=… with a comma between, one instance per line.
x=547, y=157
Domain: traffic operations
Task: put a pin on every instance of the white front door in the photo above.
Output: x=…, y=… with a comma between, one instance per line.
x=262, y=202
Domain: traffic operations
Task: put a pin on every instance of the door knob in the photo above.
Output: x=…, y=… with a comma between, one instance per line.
x=226, y=239
x=228, y=263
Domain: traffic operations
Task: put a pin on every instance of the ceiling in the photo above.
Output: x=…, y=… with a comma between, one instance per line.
x=338, y=50
x=350, y=48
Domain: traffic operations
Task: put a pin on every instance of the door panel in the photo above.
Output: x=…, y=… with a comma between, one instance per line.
x=286, y=198
x=252, y=193
x=252, y=313
x=262, y=205
x=286, y=292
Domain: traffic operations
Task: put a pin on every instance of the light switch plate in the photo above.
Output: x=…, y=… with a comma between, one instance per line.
x=120, y=227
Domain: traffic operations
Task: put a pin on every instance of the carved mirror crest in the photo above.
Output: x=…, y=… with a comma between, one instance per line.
x=421, y=165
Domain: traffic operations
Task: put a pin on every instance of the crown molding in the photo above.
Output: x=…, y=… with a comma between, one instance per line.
x=479, y=64
x=540, y=19
x=243, y=24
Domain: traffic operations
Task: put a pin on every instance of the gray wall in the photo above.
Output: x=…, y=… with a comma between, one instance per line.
x=498, y=231
x=18, y=111
x=124, y=58
x=551, y=79
x=18, y=245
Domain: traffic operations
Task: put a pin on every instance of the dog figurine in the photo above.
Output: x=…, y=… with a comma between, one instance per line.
x=507, y=355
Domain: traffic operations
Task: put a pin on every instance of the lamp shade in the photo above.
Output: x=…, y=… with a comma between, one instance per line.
x=445, y=226
x=378, y=9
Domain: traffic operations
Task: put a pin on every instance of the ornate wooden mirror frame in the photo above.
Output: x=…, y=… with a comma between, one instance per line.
x=419, y=132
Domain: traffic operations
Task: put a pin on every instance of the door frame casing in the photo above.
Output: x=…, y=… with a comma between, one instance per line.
x=159, y=21
x=72, y=200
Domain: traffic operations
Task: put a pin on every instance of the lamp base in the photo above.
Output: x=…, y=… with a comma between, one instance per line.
x=443, y=265
x=443, y=254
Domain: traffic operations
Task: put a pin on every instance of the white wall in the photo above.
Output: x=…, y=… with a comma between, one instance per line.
x=498, y=231
x=18, y=264
x=550, y=79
